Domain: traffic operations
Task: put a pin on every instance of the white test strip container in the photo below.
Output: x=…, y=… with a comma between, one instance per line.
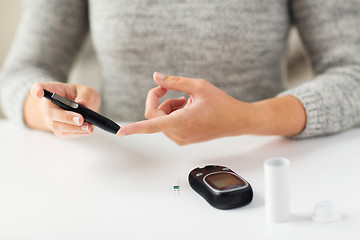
x=277, y=189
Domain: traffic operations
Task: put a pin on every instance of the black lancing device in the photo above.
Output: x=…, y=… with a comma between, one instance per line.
x=89, y=115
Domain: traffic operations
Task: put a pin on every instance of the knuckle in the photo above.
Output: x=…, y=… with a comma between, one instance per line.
x=179, y=143
x=89, y=91
x=147, y=114
x=86, y=92
x=86, y=89
x=86, y=96
x=52, y=124
x=151, y=130
x=174, y=81
x=183, y=137
x=151, y=91
x=200, y=84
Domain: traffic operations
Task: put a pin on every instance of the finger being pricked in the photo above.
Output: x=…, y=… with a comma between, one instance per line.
x=159, y=124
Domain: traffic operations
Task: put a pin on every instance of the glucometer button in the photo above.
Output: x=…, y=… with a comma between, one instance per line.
x=199, y=174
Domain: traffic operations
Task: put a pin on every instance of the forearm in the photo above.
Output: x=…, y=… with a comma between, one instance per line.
x=328, y=31
x=284, y=116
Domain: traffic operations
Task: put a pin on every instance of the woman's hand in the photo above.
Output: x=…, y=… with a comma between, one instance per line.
x=40, y=113
x=210, y=113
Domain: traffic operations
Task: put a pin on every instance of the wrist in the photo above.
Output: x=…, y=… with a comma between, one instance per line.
x=284, y=116
x=32, y=115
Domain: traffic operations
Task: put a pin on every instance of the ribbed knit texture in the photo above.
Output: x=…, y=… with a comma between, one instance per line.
x=236, y=45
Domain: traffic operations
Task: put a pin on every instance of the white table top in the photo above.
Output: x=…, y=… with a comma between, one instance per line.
x=101, y=187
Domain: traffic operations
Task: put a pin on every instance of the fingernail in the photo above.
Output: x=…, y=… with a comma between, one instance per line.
x=85, y=127
x=159, y=76
x=76, y=120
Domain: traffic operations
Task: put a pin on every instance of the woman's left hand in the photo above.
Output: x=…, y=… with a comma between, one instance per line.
x=209, y=112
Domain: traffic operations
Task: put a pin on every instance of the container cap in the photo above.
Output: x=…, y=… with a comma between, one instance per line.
x=325, y=211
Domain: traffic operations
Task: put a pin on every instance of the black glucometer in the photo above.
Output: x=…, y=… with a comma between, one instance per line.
x=89, y=115
x=221, y=187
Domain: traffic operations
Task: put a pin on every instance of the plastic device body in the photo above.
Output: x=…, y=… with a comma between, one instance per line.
x=221, y=187
x=89, y=115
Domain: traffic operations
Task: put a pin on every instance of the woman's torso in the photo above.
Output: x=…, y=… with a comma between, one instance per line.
x=236, y=45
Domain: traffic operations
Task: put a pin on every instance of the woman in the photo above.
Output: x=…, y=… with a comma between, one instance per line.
x=235, y=45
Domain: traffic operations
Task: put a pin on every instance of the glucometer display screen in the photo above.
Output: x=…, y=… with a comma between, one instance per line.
x=224, y=181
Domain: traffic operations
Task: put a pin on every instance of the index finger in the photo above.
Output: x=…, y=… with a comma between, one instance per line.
x=37, y=90
x=160, y=124
x=181, y=84
x=88, y=97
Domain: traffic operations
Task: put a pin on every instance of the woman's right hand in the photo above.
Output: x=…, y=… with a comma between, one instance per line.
x=40, y=113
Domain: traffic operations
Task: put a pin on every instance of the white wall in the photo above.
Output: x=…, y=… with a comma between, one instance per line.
x=10, y=11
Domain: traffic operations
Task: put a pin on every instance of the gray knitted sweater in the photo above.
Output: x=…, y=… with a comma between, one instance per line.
x=235, y=44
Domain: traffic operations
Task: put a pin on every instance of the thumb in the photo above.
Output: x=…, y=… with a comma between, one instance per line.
x=181, y=84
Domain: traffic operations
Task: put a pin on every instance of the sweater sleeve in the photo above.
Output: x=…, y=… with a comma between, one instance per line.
x=49, y=35
x=329, y=30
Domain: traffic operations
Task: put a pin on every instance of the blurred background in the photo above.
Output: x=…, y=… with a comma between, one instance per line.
x=295, y=65
x=9, y=16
